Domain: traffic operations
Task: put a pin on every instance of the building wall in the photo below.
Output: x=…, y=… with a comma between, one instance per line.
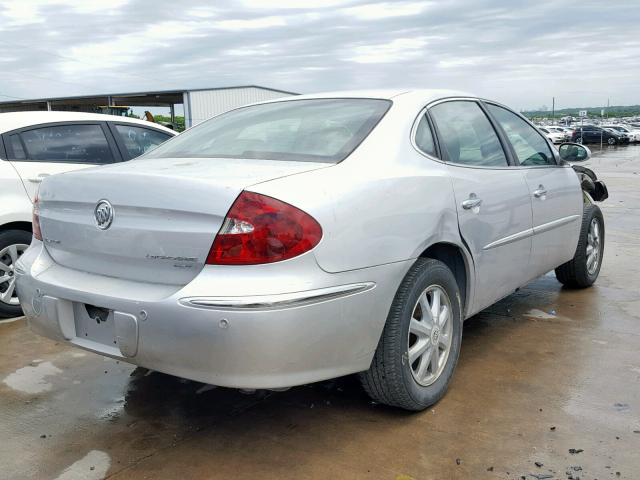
x=204, y=104
x=19, y=107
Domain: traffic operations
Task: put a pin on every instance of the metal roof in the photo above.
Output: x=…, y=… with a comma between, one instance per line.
x=164, y=93
x=14, y=120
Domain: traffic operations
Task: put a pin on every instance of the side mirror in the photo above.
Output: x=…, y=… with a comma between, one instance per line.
x=574, y=152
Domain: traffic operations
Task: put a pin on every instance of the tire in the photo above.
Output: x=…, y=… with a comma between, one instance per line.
x=392, y=379
x=577, y=272
x=611, y=141
x=19, y=239
x=580, y=140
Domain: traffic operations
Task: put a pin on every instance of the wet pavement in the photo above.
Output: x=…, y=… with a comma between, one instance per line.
x=548, y=386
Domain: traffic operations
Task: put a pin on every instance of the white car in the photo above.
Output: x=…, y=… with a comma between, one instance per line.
x=568, y=131
x=34, y=145
x=553, y=135
x=632, y=133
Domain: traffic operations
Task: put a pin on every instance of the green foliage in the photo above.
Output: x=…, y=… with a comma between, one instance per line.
x=164, y=119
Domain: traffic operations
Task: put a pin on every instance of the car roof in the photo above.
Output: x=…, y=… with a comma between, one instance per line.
x=14, y=120
x=401, y=95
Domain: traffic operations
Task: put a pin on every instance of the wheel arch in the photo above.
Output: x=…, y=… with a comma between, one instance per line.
x=460, y=264
x=24, y=226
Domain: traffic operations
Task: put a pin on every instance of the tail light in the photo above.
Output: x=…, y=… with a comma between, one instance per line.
x=260, y=229
x=35, y=219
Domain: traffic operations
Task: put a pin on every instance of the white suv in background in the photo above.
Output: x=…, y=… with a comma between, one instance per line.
x=34, y=145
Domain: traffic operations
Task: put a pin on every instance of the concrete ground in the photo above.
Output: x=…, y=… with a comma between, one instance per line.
x=544, y=373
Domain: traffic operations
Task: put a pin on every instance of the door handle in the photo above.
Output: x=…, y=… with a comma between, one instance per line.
x=540, y=192
x=471, y=202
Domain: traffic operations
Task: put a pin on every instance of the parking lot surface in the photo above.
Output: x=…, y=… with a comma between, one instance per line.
x=548, y=386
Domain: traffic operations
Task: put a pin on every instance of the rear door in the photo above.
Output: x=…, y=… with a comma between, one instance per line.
x=591, y=134
x=556, y=196
x=43, y=150
x=492, y=199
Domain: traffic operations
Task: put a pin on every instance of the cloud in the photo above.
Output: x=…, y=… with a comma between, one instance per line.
x=518, y=52
x=24, y=12
x=398, y=50
x=237, y=25
x=376, y=11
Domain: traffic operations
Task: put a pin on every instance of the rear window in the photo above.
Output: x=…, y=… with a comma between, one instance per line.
x=322, y=130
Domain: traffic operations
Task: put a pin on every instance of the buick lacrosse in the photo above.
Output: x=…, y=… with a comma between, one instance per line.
x=303, y=239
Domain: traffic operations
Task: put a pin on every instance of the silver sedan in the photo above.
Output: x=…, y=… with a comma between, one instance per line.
x=298, y=240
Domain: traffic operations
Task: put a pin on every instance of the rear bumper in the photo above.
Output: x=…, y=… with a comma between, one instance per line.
x=242, y=327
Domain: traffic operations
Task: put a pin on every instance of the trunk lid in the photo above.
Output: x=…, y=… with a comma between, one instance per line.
x=166, y=213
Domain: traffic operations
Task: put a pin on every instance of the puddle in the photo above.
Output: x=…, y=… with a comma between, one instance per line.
x=93, y=466
x=535, y=313
x=32, y=379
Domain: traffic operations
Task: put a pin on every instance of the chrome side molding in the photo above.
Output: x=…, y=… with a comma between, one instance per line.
x=545, y=227
x=277, y=301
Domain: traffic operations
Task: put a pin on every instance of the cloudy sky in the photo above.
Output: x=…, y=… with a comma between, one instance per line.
x=519, y=52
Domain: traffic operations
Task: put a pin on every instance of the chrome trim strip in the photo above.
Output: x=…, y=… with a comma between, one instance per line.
x=509, y=239
x=277, y=301
x=545, y=227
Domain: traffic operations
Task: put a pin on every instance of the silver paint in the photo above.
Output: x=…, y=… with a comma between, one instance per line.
x=379, y=209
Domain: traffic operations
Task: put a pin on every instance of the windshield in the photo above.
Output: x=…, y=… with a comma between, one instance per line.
x=320, y=130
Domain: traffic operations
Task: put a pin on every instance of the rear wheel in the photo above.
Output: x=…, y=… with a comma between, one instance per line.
x=420, y=344
x=611, y=141
x=583, y=269
x=580, y=140
x=13, y=243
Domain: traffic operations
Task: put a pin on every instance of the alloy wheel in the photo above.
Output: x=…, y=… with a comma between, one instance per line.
x=430, y=335
x=594, y=242
x=8, y=258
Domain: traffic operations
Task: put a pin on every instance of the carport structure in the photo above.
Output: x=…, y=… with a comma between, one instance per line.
x=198, y=104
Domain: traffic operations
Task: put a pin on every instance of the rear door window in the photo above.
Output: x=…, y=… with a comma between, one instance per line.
x=467, y=135
x=73, y=143
x=139, y=140
x=15, y=146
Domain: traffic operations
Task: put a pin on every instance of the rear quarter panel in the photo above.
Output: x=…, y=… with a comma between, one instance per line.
x=15, y=205
x=385, y=203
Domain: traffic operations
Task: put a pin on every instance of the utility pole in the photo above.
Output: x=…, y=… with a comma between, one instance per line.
x=553, y=110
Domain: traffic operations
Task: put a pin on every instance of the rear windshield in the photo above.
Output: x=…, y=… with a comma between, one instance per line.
x=321, y=130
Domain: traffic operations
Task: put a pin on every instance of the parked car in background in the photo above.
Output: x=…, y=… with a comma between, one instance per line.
x=303, y=239
x=625, y=136
x=555, y=128
x=632, y=133
x=568, y=131
x=593, y=134
x=554, y=135
x=34, y=145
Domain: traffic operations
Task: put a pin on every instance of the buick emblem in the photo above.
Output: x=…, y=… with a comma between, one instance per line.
x=104, y=214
